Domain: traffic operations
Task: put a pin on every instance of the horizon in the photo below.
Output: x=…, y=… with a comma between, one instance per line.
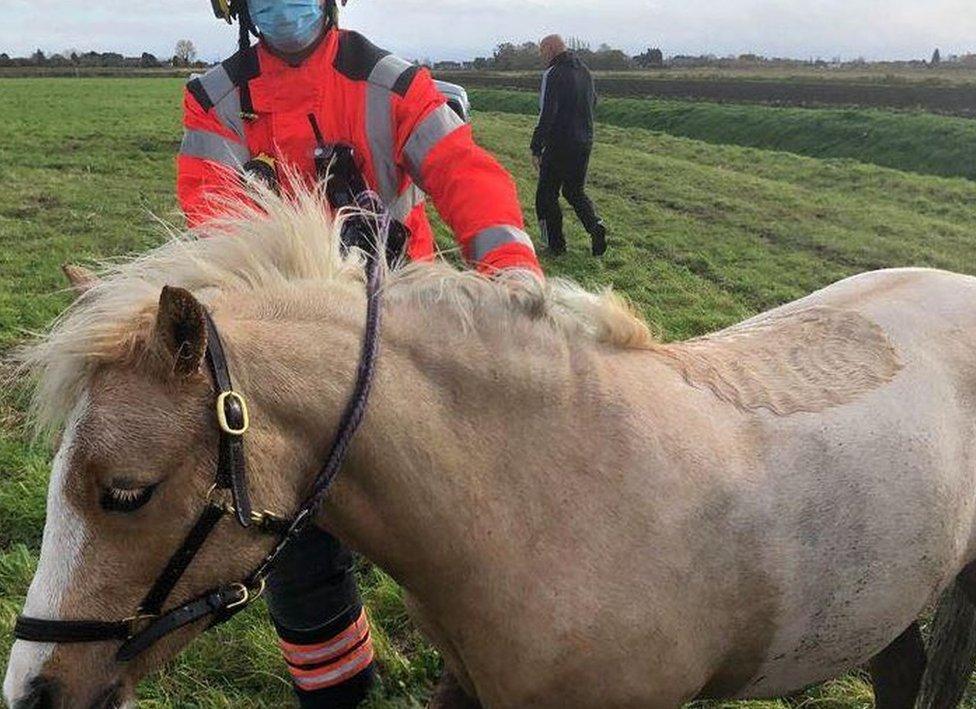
x=80, y=51
x=790, y=29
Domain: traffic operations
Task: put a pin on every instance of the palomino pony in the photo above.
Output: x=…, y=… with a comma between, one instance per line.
x=582, y=516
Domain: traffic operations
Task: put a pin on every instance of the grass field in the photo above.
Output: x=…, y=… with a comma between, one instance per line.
x=915, y=142
x=702, y=236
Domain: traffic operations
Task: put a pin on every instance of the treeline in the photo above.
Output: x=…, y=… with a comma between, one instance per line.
x=184, y=56
x=525, y=56
x=514, y=57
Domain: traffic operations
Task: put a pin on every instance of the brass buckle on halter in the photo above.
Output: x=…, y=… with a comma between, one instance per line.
x=247, y=595
x=262, y=518
x=222, y=413
x=134, y=621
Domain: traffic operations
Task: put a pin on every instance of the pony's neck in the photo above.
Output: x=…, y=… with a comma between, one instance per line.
x=427, y=485
x=469, y=434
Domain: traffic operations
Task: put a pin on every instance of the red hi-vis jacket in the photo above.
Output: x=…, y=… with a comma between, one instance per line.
x=408, y=141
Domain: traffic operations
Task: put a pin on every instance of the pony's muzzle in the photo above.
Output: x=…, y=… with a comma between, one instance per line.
x=42, y=693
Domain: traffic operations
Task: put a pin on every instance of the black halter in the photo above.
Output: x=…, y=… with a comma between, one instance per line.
x=149, y=624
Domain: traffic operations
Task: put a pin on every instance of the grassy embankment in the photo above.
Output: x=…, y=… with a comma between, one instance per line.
x=915, y=142
x=703, y=235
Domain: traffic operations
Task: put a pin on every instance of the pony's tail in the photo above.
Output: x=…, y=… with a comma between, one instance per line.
x=951, y=648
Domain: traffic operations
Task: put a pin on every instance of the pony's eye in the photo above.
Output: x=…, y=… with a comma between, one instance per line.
x=116, y=499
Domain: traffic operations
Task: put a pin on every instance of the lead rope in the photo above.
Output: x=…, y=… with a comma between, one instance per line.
x=355, y=412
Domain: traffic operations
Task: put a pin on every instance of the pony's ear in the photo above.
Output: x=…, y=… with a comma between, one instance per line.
x=181, y=331
x=80, y=278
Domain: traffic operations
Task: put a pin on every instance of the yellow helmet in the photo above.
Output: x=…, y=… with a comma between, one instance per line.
x=224, y=9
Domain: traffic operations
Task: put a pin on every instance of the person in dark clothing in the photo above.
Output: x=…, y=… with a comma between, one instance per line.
x=561, y=146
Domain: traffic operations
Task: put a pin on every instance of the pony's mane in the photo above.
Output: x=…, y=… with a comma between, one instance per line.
x=274, y=243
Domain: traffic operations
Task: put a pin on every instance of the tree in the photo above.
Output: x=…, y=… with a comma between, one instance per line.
x=577, y=45
x=650, y=58
x=185, y=53
x=508, y=56
x=148, y=61
x=38, y=58
x=936, y=57
x=113, y=59
x=614, y=60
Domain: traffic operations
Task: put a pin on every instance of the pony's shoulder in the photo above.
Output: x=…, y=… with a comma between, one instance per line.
x=802, y=361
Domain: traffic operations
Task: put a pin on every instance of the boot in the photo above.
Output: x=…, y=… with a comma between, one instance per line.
x=599, y=237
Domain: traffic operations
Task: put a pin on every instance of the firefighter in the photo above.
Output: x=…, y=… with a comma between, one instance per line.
x=263, y=108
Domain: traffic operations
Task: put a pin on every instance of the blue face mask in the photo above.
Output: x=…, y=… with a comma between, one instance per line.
x=289, y=26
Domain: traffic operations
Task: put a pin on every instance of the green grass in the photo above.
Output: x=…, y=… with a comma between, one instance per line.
x=702, y=236
x=915, y=142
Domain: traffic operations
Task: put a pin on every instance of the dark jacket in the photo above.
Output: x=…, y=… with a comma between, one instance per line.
x=568, y=100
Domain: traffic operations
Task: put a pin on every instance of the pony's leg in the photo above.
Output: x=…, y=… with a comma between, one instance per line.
x=450, y=692
x=451, y=695
x=896, y=671
x=952, y=645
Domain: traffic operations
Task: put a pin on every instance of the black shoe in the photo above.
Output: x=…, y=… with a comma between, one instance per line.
x=599, y=236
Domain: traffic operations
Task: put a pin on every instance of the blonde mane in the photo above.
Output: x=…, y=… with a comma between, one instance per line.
x=276, y=243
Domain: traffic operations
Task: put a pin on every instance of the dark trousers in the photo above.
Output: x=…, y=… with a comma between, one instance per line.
x=312, y=596
x=564, y=169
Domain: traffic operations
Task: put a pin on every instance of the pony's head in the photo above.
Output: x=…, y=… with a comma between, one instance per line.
x=132, y=474
x=123, y=387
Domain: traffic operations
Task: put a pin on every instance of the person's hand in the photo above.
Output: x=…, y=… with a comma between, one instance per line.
x=537, y=161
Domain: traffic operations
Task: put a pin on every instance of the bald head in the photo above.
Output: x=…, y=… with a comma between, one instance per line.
x=551, y=47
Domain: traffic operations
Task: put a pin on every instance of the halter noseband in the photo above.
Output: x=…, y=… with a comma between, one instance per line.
x=150, y=624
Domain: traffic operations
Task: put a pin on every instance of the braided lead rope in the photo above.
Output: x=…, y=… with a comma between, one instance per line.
x=355, y=411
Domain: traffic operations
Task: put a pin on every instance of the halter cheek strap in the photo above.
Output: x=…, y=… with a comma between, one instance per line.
x=233, y=419
x=142, y=630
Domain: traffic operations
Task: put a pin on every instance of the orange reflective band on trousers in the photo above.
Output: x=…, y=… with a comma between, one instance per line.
x=332, y=662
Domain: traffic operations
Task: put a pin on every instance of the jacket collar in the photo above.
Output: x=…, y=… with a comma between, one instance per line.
x=561, y=57
x=279, y=61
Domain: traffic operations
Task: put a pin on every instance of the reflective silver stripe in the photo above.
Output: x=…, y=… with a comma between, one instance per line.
x=379, y=129
x=225, y=97
x=217, y=83
x=406, y=202
x=379, y=124
x=210, y=146
x=228, y=110
x=432, y=130
x=388, y=70
x=491, y=238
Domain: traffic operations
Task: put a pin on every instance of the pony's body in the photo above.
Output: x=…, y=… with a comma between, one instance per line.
x=581, y=516
x=595, y=531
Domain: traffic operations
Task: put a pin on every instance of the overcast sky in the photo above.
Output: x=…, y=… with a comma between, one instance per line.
x=458, y=29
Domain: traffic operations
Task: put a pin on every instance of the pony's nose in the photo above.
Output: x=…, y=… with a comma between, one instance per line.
x=41, y=694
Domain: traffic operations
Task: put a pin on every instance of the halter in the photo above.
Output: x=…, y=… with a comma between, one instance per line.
x=150, y=623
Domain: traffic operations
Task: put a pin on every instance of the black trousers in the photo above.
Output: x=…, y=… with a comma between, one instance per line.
x=564, y=169
x=311, y=585
x=312, y=597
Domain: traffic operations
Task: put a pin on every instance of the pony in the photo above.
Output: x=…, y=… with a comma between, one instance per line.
x=581, y=514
